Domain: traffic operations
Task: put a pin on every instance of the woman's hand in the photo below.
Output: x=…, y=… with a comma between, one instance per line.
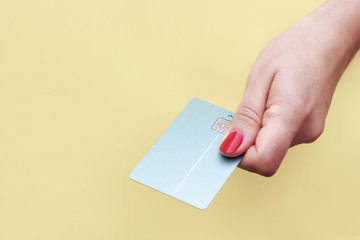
x=290, y=87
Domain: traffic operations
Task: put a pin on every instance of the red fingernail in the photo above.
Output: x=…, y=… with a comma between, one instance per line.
x=231, y=142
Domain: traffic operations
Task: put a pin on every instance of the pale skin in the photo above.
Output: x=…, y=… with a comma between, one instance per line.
x=290, y=87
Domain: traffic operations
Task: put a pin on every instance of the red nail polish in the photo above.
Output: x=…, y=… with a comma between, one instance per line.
x=231, y=142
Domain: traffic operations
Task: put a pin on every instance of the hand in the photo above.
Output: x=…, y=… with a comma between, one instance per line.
x=290, y=87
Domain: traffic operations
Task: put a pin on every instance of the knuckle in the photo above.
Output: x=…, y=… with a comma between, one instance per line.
x=315, y=132
x=267, y=168
x=249, y=115
x=290, y=119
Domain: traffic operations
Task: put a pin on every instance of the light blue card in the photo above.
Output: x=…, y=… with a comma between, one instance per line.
x=185, y=162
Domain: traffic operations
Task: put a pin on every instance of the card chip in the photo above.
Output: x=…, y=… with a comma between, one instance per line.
x=221, y=125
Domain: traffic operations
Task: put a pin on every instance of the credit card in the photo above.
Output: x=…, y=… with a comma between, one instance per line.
x=185, y=162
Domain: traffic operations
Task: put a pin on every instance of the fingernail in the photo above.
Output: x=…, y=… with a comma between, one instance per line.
x=231, y=142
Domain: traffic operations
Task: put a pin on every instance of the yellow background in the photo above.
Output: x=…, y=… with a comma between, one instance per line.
x=87, y=87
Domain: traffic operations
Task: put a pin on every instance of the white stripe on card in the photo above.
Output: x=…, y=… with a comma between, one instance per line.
x=196, y=163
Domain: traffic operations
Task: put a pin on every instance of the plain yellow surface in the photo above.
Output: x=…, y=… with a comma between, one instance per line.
x=87, y=87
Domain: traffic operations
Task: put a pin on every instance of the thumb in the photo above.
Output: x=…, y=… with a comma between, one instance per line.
x=272, y=142
x=242, y=131
x=247, y=120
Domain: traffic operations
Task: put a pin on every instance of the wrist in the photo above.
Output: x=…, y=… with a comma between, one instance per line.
x=335, y=26
x=343, y=19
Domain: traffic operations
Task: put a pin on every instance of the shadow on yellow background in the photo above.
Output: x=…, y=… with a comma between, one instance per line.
x=87, y=87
